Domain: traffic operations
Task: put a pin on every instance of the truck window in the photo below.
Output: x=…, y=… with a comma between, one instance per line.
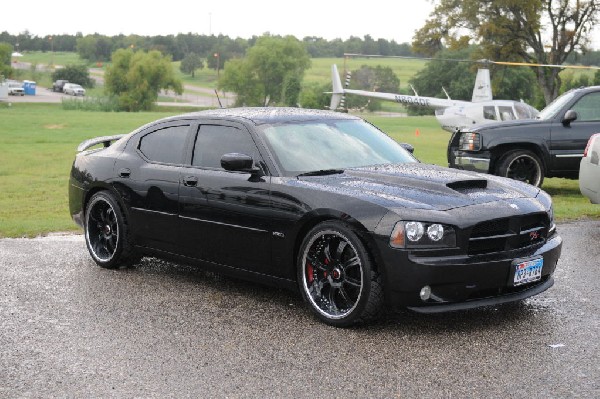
x=588, y=107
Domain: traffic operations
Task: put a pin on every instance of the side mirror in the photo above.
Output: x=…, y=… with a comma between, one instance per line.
x=569, y=117
x=239, y=163
x=408, y=147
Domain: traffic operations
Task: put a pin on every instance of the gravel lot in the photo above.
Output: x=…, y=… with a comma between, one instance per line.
x=71, y=329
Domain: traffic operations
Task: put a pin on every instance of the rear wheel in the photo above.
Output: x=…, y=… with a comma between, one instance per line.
x=337, y=277
x=106, y=232
x=522, y=165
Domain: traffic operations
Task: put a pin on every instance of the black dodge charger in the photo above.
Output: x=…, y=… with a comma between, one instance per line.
x=317, y=201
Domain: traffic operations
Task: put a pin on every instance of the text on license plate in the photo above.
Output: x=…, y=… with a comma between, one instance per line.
x=528, y=271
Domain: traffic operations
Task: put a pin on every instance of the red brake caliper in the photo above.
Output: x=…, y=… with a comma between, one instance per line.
x=310, y=273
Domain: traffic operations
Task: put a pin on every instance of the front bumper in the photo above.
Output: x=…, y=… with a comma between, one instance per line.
x=474, y=164
x=462, y=281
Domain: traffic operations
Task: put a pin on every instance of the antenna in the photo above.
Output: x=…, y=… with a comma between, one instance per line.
x=413, y=89
x=218, y=99
x=445, y=92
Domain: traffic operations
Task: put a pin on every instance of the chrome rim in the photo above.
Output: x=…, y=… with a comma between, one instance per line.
x=526, y=169
x=332, y=274
x=102, y=231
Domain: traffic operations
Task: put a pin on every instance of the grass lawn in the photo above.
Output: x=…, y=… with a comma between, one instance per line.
x=38, y=144
x=53, y=58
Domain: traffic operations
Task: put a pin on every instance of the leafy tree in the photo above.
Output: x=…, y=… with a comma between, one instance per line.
x=75, y=74
x=259, y=78
x=5, y=55
x=313, y=95
x=570, y=81
x=291, y=90
x=95, y=47
x=458, y=78
x=453, y=76
x=137, y=77
x=510, y=83
x=534, y=31
x=225, y=49
x=379, y=78
x=190, y=63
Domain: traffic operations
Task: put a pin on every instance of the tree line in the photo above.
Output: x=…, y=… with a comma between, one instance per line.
x=269, y=69
x=99, y=48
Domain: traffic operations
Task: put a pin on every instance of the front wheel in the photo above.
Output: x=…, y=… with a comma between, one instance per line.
x=522, y=165
x=106, y=232
x=337, y=276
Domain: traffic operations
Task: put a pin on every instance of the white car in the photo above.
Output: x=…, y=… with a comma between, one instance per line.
x=589, y=170
x=15, y=89
x=73, y=89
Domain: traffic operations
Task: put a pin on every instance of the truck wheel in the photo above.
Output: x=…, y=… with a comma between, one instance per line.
x=522, y=165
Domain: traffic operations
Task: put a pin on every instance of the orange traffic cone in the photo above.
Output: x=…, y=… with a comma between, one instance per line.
x=417, y=133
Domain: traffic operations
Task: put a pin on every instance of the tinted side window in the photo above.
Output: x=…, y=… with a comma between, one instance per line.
x=165, y=145
x=213, y=141
x=588, y=107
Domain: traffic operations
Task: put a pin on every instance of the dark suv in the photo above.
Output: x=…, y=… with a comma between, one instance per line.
x=529, y=150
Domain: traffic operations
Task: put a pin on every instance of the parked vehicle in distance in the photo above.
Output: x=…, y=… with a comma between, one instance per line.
x=58, y=85
x=589, y=170
x=73, y=89
x=15, y=88
x=317, y=201
x=529, y=150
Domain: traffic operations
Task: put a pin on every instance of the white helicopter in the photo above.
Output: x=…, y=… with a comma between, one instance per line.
x=451, y=114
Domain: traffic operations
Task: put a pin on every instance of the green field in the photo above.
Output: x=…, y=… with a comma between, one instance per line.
x=319, y=72
x=38, y=144
x=52, y=58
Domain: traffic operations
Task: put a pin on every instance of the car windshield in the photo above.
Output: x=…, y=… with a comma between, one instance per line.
x=550, y=111
x=302, y=147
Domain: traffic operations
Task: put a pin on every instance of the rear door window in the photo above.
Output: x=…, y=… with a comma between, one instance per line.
x=165, y=145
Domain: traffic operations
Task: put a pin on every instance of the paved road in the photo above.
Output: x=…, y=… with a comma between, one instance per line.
x=193, y=96
x=71, y=329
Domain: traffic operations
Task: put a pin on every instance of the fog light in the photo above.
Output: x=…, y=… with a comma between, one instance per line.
x=425, y=293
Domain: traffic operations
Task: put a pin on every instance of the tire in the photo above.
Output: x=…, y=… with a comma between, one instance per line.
x=107, y=233
x=522, y=165
x=337, y=277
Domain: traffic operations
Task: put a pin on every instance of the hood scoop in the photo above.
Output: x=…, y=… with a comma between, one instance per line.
x=466, y=185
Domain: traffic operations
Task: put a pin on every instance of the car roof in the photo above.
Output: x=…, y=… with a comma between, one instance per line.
x=266, y=115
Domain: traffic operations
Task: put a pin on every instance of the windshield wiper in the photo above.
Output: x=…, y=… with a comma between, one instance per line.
x=322, y=172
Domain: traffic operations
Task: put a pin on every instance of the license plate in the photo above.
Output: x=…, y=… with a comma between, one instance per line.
x=528, y=271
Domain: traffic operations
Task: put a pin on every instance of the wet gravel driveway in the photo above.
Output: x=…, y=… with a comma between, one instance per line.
x=71, y=329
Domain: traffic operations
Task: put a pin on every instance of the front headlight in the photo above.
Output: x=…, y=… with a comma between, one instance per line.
x=413, y=234
x=469, y=142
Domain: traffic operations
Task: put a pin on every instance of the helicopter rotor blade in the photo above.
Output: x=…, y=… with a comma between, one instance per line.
x=484, y=62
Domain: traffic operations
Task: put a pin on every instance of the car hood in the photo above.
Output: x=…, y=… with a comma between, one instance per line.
x=420, y=186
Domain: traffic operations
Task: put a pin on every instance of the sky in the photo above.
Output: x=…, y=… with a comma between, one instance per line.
x=234, y=18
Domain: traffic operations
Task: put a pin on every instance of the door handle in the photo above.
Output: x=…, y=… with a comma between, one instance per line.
x=125, y=172
x=190, y=181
